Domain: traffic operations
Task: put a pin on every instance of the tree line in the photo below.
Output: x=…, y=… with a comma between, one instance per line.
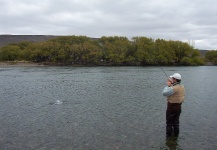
x=115, y=50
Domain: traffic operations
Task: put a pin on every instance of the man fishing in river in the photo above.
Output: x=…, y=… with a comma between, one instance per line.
x=175, y=93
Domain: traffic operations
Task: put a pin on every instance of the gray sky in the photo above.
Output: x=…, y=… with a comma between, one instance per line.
x=192, y=21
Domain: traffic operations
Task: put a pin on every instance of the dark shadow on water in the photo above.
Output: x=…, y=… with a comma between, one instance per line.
x=172, y=143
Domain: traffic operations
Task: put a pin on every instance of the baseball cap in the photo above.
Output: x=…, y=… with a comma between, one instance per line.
x=176, y=76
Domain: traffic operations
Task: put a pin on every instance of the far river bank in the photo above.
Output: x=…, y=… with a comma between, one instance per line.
x=35, y=64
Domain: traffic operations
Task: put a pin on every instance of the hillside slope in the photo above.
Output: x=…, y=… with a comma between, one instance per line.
x=8, y=39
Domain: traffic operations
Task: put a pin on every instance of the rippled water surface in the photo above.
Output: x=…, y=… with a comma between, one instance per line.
x=105, y=108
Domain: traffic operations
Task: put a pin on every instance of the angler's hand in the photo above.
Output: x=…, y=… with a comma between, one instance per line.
x=169, y=82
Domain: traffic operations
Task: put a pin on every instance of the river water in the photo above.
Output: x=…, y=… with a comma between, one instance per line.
x=105, y=108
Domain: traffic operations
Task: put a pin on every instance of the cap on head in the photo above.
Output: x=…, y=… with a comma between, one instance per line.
x=176, y=76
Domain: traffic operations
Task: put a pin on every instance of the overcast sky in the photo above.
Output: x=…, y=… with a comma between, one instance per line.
x=193, y=21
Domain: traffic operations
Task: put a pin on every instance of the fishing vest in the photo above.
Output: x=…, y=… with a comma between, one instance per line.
x=179, y=94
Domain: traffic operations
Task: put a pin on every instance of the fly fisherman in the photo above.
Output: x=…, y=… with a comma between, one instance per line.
x=175, y=93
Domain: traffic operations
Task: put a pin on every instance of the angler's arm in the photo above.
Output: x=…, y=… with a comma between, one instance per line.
x=168, y=91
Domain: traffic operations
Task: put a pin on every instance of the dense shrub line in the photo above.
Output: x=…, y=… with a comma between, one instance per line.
x=82, y=50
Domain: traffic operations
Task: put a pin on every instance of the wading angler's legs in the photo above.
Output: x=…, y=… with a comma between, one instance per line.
x=172, y=123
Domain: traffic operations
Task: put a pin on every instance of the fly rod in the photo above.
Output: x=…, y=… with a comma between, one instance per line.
x=163, y=70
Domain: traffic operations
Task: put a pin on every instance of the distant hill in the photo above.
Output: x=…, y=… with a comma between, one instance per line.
x=203, y=52
x=8, y=39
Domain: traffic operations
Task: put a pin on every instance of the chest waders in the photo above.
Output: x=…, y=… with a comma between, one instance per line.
x=172, y=119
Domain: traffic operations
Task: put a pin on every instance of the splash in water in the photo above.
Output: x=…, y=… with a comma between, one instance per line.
x=58, y=102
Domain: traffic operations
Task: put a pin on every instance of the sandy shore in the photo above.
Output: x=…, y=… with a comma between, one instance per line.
x=19, y=64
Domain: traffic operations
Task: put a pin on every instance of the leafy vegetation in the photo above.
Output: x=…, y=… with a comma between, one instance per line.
x=81, y=50
x=211, y=56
